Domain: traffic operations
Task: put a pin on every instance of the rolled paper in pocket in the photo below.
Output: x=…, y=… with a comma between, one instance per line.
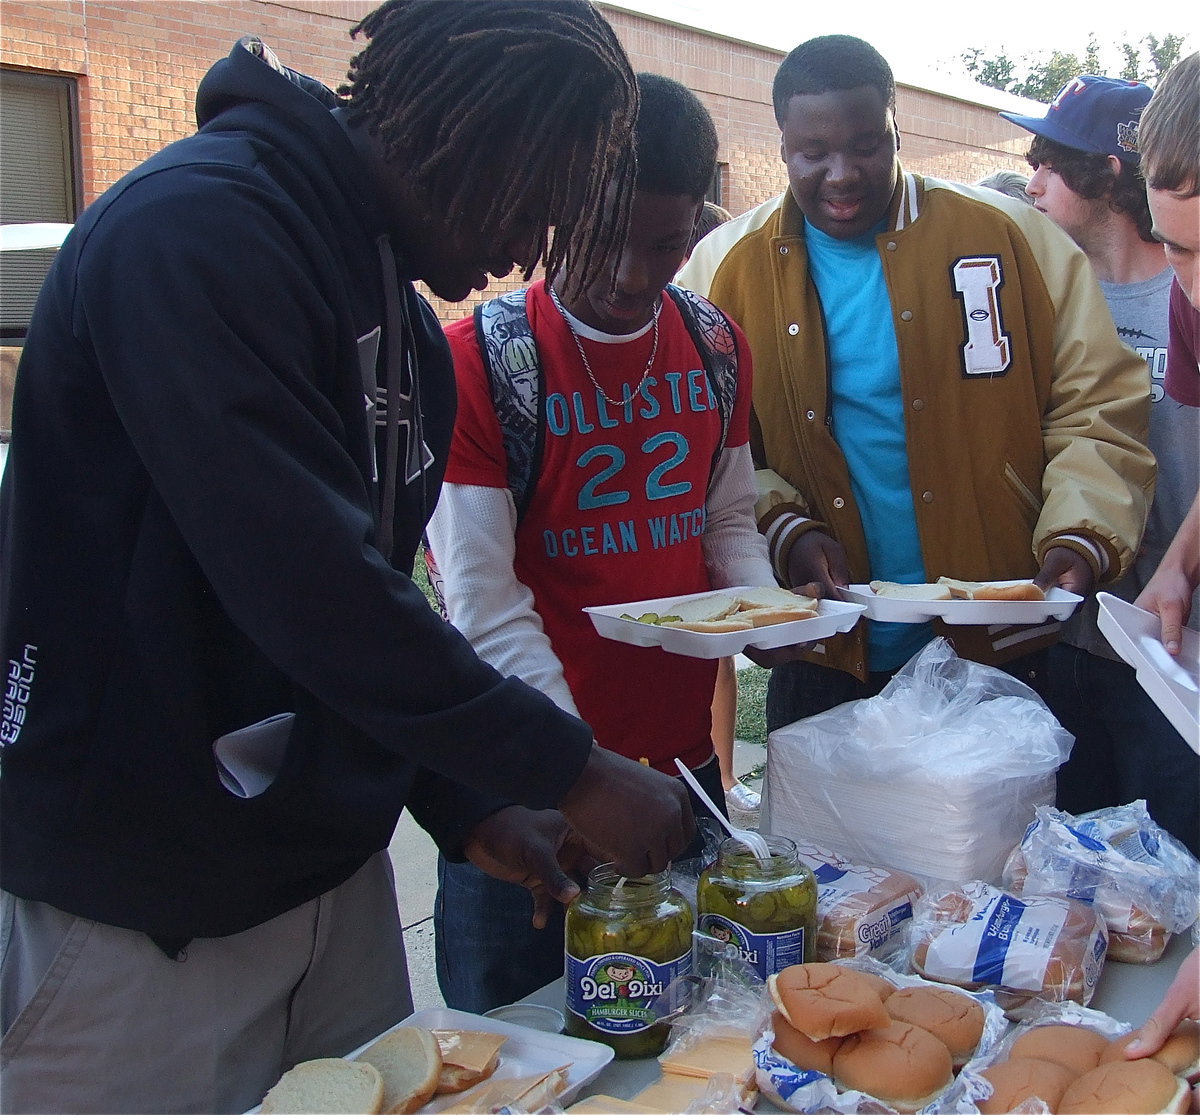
x=249, y=758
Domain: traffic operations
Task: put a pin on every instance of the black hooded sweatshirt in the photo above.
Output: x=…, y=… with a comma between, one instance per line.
x=193, y=543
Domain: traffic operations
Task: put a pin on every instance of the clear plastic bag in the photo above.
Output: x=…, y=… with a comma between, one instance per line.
x=1143, y=881
x=938, y=775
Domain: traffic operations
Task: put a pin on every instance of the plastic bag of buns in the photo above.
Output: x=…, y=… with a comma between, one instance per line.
x=1066, y=1058
x=1024, y=947
x=833, y=1044
x=1144, y=882
x=861, y=910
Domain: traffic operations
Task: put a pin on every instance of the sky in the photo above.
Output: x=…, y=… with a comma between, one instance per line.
x=922, y=36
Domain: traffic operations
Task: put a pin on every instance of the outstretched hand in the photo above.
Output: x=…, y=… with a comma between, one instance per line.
x=535, y=849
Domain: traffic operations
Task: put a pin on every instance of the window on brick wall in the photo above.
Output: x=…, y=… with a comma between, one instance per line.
x=39, y=180
x=716, y=189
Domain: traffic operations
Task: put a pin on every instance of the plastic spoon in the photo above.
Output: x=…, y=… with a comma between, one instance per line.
x=752, y=840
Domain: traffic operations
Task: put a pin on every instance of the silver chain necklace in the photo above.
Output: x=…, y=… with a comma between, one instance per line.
x=587, y=367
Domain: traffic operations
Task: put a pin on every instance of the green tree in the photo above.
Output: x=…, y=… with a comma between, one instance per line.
x=1040, y=76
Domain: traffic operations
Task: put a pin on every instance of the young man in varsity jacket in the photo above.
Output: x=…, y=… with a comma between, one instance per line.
x=939, y=388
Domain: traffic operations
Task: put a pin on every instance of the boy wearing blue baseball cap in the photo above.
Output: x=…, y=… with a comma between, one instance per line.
x=1086, y=178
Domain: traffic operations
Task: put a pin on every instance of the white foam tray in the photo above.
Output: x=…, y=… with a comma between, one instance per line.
x=1059, y=604
x=525, y=1052
x=1172, y=683
x=833, y=616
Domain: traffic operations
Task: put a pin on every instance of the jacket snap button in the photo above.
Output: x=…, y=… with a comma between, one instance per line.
x=927, y=497
x=783, y=249
x=918, y=404
x=811, y=415
x=906, y=316
x=891, y=245
x=793, y=329
x=839, y=503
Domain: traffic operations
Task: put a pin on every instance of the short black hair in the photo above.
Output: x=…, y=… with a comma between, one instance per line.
x=831, y=62
x=1090, y=176
x=676, y=139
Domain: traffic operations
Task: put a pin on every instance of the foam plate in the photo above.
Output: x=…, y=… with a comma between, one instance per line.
x=833, y=616
x=1172, y=683
x=524, y=1053
x=1059, y=604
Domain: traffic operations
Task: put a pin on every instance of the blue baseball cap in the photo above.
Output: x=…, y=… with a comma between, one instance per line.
x=1094, y=114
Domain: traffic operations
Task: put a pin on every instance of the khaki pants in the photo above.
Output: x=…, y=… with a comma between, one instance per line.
x=98, y=1019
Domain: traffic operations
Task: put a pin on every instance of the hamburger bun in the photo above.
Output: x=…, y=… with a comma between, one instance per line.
x=826, y=1000
x=1074, y=1047
x=884, y=986
x=1019, y=1081
x=990, y=590
x=409, y=1061
x=1126, y=1088
x=951, y=1016
x=1180, y=1052
x=327, y=1084
x=899, y=1063
x=802, y=1051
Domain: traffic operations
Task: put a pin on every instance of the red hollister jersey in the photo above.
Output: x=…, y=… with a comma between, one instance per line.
x=616, y=515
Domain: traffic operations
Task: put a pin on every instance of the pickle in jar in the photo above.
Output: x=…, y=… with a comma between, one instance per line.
x=762, y=914
x=627, y=941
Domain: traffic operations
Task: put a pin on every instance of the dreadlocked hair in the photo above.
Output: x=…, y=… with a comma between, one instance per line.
x=521, y=109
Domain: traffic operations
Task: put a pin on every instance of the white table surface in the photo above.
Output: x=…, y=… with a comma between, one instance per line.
x=1127, y=992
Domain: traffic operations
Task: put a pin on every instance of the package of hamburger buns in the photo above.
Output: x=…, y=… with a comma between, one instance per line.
x=862, y=910
x=1064, y=1057
x=1143, y=881
x=855, y=1035
x=1024, y=947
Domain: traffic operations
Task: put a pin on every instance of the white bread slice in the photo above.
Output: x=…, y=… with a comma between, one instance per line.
x=703, y=609
x=468, y=1056
x=328, y=1084
x=911, y=592
x=729, y=623
x=768, y=605
x=410, y=1063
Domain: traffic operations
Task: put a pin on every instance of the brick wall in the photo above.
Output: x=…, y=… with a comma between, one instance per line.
x=138, y=65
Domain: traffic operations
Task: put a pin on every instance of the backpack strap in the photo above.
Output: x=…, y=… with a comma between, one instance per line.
x=514, y=370
x=715, y=341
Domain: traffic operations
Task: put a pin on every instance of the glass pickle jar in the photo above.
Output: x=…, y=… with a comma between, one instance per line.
x=627, y=940
x=766, y=912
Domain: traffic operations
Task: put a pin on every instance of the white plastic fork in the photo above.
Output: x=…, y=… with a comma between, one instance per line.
x=751, y=839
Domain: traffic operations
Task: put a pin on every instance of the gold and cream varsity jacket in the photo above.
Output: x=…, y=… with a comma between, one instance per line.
x=1026, y=418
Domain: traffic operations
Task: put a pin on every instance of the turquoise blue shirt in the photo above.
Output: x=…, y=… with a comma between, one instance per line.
x=868, y=421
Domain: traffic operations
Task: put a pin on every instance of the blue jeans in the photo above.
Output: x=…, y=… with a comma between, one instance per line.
x=1125, y=748
x=487, y=950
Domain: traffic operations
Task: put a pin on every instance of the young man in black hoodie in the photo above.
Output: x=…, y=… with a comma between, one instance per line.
x=230, y=424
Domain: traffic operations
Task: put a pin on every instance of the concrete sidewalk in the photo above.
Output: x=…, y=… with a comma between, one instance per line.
x=414, y=857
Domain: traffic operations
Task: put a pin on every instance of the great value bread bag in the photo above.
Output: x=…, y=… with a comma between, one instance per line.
x=861, y=910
